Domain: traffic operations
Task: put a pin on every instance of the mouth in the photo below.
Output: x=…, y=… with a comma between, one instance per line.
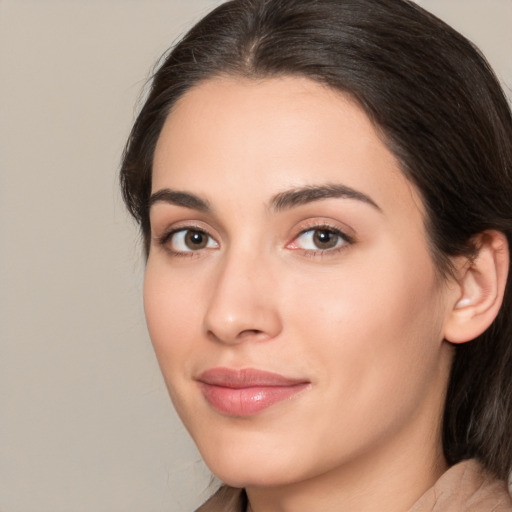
x=248, y=391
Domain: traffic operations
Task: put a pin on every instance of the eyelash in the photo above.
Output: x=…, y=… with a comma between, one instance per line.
x=346, y=240
x=164, y=240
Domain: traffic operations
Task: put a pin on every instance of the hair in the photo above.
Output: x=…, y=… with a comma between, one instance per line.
x=439, y=109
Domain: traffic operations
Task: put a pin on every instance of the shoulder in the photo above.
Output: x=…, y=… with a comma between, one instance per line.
x=466, y=487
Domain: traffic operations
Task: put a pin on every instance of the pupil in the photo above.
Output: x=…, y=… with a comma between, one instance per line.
x=195, y=240
x=325, y=239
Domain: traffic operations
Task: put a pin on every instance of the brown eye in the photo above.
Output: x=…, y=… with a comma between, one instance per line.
x=187, y=240
x=320, y=239
x=196, y=240
x=325, y=238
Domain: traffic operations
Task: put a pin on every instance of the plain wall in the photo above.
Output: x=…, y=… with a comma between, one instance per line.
x=85, y=421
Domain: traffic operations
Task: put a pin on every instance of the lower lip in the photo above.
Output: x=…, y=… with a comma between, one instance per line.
x=247, y=401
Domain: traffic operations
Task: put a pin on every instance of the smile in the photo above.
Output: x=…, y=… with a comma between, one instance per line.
x=248, y=391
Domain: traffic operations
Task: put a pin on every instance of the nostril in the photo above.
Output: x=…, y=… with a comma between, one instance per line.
x=253, y=334
x=249, y=332
x=238, y=337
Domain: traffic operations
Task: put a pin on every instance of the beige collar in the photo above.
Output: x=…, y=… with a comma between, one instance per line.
x=465, y=487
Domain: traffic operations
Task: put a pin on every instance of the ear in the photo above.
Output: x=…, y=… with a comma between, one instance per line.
x=480, y=281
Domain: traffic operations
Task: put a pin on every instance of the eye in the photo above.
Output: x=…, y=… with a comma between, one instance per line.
x=320, y=239
x=186, y=240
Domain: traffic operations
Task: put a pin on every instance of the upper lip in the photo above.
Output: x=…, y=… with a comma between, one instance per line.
x=246, y=378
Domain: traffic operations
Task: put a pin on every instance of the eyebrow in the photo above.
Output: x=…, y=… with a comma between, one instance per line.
x=303, y=195
x=184, y=199
x=281, y=201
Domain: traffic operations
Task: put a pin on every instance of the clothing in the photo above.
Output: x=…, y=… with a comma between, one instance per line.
x=465, y=487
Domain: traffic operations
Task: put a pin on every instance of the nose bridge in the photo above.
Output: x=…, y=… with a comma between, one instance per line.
x=242, y=302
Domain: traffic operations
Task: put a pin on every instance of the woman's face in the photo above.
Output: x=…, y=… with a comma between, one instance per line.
x=289, y=292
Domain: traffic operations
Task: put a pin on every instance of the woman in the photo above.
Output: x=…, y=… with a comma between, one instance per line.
x=323, y=189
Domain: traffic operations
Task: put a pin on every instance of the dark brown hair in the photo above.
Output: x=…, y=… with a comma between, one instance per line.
x=439, y=109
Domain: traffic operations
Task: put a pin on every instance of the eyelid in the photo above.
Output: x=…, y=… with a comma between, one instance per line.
x=168, y=233
x=163, y=230
x=324, y=223
x=319, y=225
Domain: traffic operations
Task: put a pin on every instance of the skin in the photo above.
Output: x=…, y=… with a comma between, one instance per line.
x=363, y=321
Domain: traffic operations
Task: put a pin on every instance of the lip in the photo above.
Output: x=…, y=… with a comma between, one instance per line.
x=247, y=391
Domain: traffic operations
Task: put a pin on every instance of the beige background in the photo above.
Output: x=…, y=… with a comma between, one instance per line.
x=85, y=422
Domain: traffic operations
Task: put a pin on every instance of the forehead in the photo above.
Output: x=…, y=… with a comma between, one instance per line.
x=240, y=137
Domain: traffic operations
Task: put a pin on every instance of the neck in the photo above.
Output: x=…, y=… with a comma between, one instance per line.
x=386, y=479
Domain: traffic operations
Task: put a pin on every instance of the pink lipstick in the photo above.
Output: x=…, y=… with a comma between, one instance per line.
x=247, y=391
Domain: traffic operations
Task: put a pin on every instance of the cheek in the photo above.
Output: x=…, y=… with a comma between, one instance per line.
x=373, y=328
x=172, y=315
x=173, y=321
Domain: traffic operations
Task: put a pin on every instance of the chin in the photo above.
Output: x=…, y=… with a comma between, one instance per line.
x=252, y=474
x=256, y=462
x=241, y=468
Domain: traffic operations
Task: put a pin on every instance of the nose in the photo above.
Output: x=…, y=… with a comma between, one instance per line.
x=242, y=305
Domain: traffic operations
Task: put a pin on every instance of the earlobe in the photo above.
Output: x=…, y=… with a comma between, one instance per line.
x=481, y=285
